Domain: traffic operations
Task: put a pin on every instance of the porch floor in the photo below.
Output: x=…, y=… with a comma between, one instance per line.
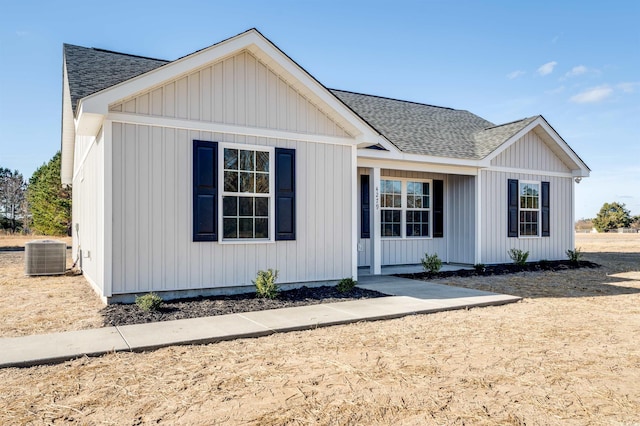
x=365, y=271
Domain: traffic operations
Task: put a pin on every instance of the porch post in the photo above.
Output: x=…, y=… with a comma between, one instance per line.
x=478, y=216
x=375, y=232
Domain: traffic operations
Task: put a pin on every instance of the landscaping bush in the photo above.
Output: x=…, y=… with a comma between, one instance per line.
x=149, y=302
x=346, y=285
x=480, y=268
x=431, y=263
x=518, y=256
x=265, y=283
x=574, y=255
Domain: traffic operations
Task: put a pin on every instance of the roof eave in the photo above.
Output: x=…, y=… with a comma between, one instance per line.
x=253, y=41
x=578, y=168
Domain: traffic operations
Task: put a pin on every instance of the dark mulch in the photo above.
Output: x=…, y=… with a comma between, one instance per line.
x=502, y=269
x=120, y=314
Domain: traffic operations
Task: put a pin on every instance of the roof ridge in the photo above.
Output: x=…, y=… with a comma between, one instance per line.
x=511, y=122
x=394, y=99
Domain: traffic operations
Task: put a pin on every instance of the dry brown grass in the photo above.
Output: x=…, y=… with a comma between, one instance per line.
x=19, y=240
x=545, y=360
x=34, y=305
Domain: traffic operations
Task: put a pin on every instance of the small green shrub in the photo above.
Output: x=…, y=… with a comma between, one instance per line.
x=431, y=263
x=149, y=302
x=574, y=255
x=265, y=283
x=480, y=268
x=346, y=285
x=518, y=256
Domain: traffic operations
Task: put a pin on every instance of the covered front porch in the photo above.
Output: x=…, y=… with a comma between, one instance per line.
x=365, y=271
x=413, y=209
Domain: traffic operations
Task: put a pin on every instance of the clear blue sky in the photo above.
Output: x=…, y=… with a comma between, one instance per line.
x=575, y=62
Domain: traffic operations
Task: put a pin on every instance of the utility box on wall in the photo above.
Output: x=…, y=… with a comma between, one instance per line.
x=45, y=257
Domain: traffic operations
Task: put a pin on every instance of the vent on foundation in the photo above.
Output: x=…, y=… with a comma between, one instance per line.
x=45, y=257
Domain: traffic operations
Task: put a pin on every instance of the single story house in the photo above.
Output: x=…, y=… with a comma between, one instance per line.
x=191, y=175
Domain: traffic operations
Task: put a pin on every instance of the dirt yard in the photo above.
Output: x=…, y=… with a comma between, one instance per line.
x=565, y=355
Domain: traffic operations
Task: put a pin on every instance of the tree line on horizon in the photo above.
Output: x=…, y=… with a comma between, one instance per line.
x=611, y=217
x=40, y=206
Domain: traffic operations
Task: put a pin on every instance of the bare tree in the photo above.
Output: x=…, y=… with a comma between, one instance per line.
x=12, y=199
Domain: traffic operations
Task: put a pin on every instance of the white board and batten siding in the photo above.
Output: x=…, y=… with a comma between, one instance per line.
x=527, y=159
x=88, y=214
x=530, y=153
x=460, y=227
x=240, y=90
x=152, y=184
x=406, y=251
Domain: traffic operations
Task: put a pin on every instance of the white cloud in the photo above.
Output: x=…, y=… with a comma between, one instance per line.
x=628, y=87
x=580, y=69
x=547, y=68
x=555, y=91
x=515, y=74
x=592, y=95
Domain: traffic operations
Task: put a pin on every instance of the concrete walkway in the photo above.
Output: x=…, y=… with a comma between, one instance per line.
x=408, y=297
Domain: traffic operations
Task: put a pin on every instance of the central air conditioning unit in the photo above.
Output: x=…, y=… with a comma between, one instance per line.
x=45, y=257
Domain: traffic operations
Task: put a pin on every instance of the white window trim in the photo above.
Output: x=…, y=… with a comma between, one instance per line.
x=539, y=209
x=221, y=193
x=403, y=209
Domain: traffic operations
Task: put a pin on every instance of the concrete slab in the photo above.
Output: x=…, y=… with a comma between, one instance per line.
x=56, y=347
x=407, y=297
x=299, y=317
x=384, y=307
x=190, y=331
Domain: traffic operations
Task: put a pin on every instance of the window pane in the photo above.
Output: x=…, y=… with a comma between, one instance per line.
x=396, y=230
x=246, y=228
x=262, y=183
x=397, y=186
x=246, y=182
x=262, y=228
x=229, y=206
x=262, y=161
x=418, y=203
x=425, y=202
x=231, y=181
x=396, y=216
x=246, y=160
x=397, y=201
x=262, y=206
x=231, y=159
x=230, y=228
x=246, y=206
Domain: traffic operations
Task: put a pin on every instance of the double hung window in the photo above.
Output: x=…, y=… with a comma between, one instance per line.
x=246, y=194
x=405, y=208
x=529, y=209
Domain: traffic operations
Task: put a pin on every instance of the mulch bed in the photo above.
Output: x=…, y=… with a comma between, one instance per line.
x=503, y=269
x=121, y=314
x=126, y=314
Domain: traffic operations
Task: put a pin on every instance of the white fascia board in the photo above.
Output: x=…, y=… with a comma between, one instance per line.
x=578, y=165
x=68, y=136
x=418, y=166
x=207, y=126
x=253, y=41
x=415, y=158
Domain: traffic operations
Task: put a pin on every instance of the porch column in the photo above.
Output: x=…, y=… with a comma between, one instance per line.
x=375, y=232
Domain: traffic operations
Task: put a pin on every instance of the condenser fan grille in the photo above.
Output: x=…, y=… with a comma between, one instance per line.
x=45, y=257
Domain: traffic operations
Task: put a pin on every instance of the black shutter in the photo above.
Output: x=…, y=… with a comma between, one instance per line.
x=512, y=212
x=438, y=209
x=205, y=191
x=365, y=201
x=546, y=231
x=285, y=194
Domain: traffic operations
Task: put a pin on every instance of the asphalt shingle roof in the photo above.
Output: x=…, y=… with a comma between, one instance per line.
x=90, y=70
x=417, y=128
x=412, y=127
